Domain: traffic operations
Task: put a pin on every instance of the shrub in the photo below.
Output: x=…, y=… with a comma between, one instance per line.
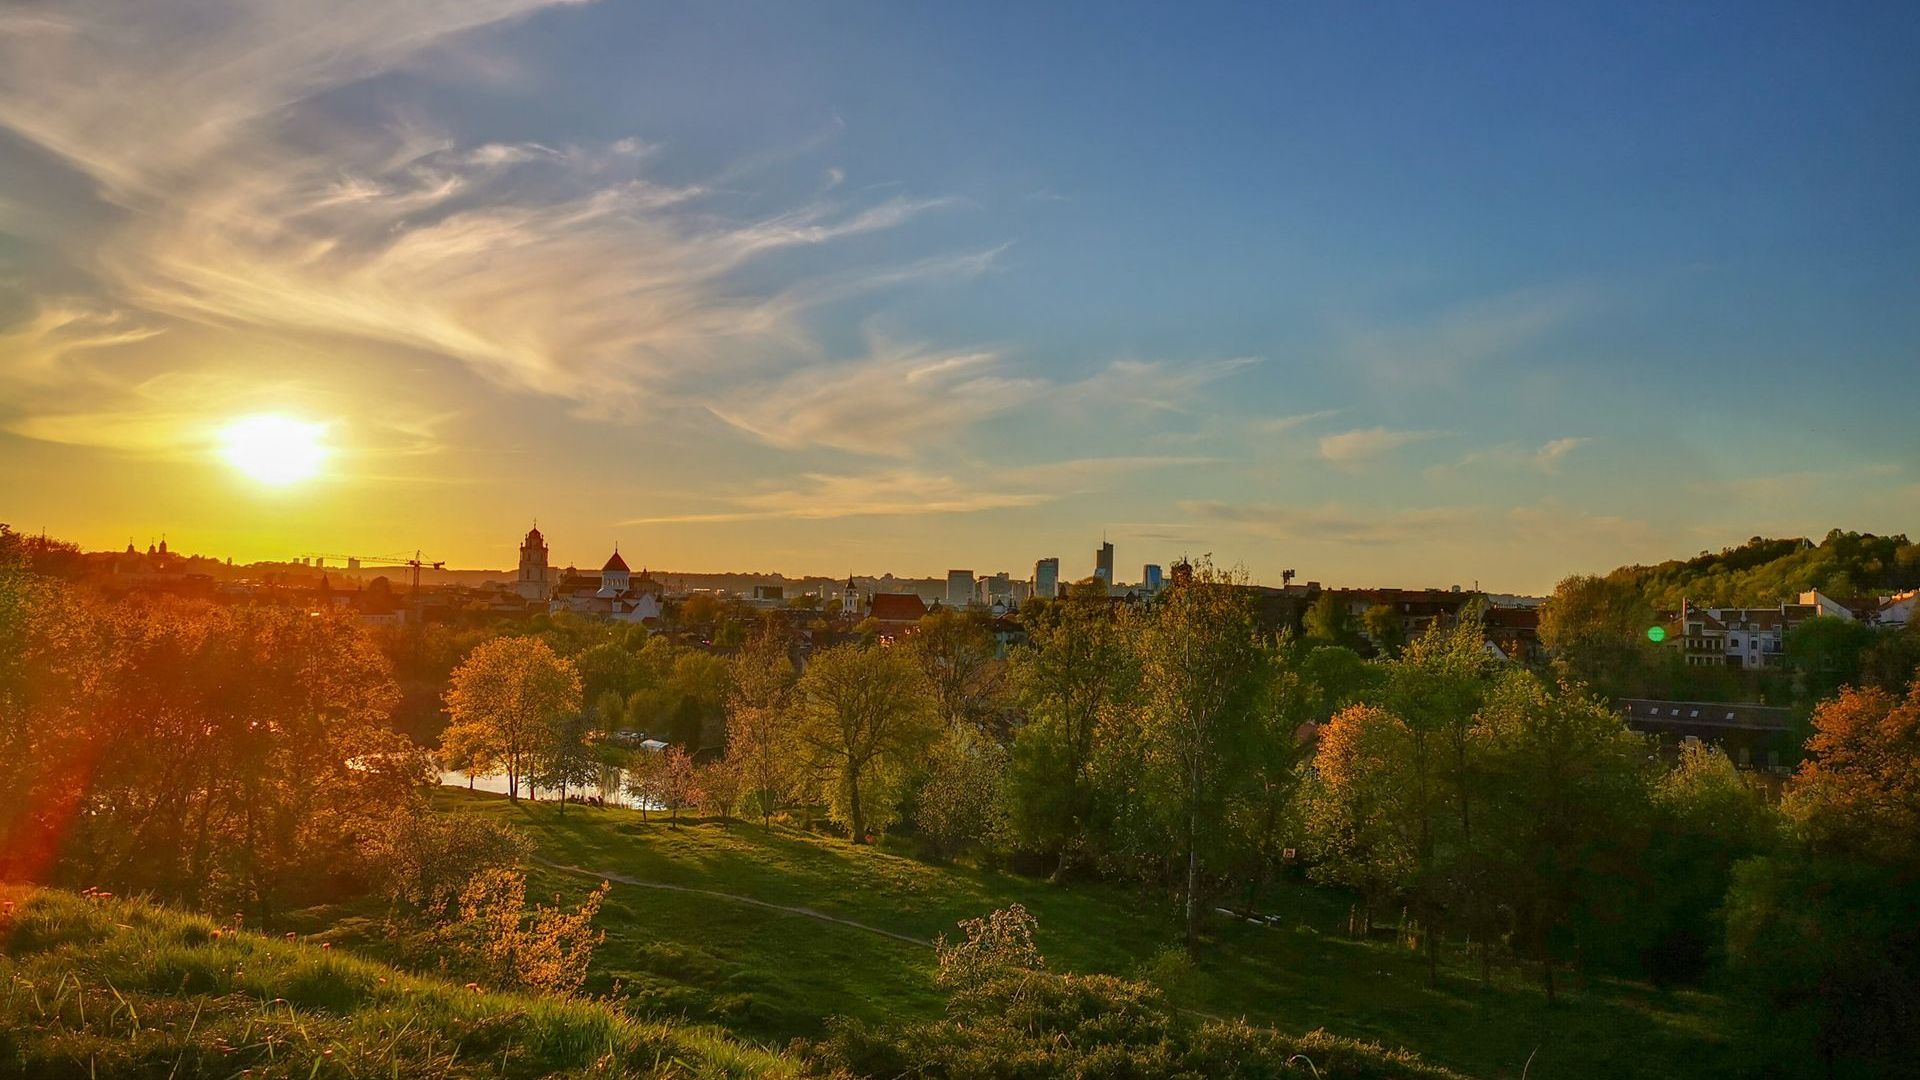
x=995, y=944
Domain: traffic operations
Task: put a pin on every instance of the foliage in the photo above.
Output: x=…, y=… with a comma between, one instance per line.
x=759, y=721
x=956, y=652
x=1327, y=622
x=1764, y=572
x=1074, y=666
x=961, y=801
x=545, y=950
x=1827, y=653
x=1033, y=1024
x=512, y=701
x=1596, y=629
x=1707, y=817
x=864, y=715
x=221, y=756
x=1384, y=628
x=425, y=859
x=1565, y=821
x=996, y=944
x=1202, y=671
x=1355, y=808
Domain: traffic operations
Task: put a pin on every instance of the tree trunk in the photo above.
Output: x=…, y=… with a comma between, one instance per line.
x=858, y=820
x=1193, y=860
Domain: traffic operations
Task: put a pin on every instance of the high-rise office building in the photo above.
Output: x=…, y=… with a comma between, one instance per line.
x=1103, y=563
x=959, y=588
x=1046, y=577
x=1150, y=579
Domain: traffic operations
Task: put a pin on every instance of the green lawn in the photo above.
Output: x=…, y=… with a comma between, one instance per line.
x=772, y=976
x=93, y=987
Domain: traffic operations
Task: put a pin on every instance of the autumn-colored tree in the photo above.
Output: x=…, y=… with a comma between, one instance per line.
x=1827, y=935
x=508, y=697
x=863, y=716
x=1201, y=673
x=1357, y=812
x=226, y=756
x=718, y=789
x=679, y=781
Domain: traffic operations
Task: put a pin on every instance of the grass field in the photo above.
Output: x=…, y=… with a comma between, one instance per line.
x=771, y=976
x=95, y=987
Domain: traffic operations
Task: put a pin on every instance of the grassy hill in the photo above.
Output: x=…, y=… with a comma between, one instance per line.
x=113, y=988
x=772, y=975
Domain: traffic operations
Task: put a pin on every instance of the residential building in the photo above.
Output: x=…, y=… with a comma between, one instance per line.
x=1748, y=638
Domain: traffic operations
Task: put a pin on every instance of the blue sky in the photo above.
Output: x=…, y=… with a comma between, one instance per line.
x=1393, y=295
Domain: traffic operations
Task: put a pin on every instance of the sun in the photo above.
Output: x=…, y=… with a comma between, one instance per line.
x=275, y=450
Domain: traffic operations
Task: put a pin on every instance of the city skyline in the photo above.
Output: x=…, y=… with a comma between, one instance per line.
x=1417, y=298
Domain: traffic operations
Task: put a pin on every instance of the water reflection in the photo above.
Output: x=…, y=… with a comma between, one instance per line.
x=615, y=793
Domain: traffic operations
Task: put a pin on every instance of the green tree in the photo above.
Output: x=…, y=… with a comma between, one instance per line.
x=1565, y=812
x=961, y=802
x=1384, y=628
x=1707, y=818
x=957, y=654
x=1327, y=622
x=1596, y=628
x=864, y=715
x=759, y=721
x=1827, y=653
x=507, y=698
x=1072, y=668
x=1201, y=669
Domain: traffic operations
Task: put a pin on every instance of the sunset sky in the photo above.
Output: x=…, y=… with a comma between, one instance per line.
x=1390, y=294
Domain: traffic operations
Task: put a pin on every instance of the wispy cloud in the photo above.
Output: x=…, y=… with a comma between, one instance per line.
x=892, y=403
x=910, y=491
x=1277, y=425
x=1331, y=522
x=1350, y=449
x=1545, y=458
x=243, y=198
x=1447, y=344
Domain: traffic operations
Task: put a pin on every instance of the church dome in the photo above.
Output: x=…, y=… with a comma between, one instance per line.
x=615, y=563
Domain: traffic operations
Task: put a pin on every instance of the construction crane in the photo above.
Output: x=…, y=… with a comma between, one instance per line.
x=414, y=563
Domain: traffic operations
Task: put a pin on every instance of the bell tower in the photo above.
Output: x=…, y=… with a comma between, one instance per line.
x=532, y=583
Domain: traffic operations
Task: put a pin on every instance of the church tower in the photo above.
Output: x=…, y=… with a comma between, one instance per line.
x=850, y=600
x=532, y=584
x=614, y=577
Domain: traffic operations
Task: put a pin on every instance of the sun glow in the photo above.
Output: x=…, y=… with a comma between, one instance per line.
x=275, y=450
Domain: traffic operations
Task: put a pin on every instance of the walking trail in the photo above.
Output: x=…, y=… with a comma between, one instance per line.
x=734, y=898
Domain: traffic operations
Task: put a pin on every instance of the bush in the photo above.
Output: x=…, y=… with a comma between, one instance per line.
x=425, y=859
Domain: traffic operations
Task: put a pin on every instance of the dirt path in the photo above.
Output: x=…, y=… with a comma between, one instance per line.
x=733, y=898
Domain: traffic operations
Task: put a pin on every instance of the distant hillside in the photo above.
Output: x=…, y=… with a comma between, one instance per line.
x=1766, y=571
